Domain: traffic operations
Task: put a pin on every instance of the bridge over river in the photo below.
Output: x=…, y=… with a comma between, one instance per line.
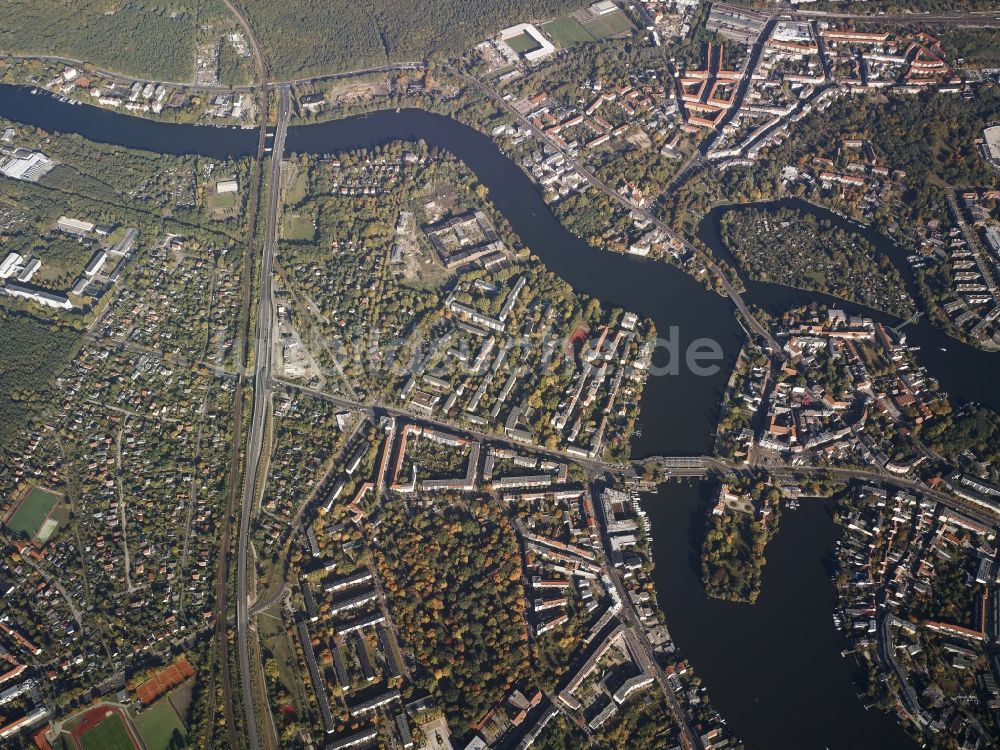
x=679, y=466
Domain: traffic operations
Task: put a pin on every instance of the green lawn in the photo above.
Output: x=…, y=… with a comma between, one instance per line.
x=110, y=734
x=566, y=32
x=160, y=727
x=299, y=228
x=32, y=512
x=609, y=24
x=523, y=43
x=222, y=201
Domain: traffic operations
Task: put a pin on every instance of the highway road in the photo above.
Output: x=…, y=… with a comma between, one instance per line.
x=221, y=657
x=235, y=465
x=258, y=419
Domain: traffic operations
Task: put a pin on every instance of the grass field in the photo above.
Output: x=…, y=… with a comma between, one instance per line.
x=298, y=228
x=222, y=201
x=63, y=253
x=160, y=727
x=180, y=698
x=566, y=32
x=608, y=25
x=523, y=43
x=32, y=512
x=297, y=184
x=110, y=734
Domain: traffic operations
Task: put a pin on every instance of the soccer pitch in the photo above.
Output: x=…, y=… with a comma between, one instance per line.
x=32, y=512
x=566, y=31
x=110, y=734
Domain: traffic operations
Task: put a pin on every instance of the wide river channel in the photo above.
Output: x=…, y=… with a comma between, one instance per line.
x=774, y=669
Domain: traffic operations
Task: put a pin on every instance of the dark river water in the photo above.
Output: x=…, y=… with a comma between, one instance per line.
x=967, y=373
x=773, y=669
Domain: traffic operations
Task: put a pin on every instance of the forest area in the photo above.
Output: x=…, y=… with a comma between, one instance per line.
x=152, y=39
x=732, y=555
x=453, y=580
x=304, y=37
x=32, y=355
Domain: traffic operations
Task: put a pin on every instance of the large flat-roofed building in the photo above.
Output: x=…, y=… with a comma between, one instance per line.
x=10, y=265
x=29, y=270
x=464, y=239
x=602, y=8
x=29, y=166
x=74, y=226
x=80, y=287
x=991, y=144
x=41, y=296
x=96, y=263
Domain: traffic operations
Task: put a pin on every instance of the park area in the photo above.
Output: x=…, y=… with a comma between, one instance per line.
x=30, y=515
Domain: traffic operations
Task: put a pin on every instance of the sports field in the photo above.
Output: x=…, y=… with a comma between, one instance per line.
x=523, y=43
x=160, y=727
x=566, y=32
x=110, y=734
x=298, y=227
x=608, y=25
x=30, y=515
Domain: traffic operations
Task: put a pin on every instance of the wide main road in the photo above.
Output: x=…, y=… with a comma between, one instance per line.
x=258, y=421
x=225, y=534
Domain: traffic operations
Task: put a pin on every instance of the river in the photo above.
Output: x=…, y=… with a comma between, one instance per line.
x=774, y=669
x=965, y=372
